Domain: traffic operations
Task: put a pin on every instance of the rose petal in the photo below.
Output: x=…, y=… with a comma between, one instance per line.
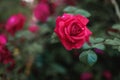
x=83, y=19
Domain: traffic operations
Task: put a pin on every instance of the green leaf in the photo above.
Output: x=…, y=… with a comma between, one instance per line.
x=119, y=48
x=86, y=46
x=54, y=38
x=115, y=41
x=96, y=40
x=74, y=10
x=25, y=33
x=88, y=57
x=34, y=48
x=82, y=12
x=99, y=46
x=116, y=26
x=70, y=9
x=44, y=29
x=56, y=68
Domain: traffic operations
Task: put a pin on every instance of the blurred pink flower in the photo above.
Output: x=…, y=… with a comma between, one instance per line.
x=52, y=4
x=33, y=29
x=42, y=11
x=6, y=57
x=3, y=40
x=15, y=23
x=107, y=75
x=86, y=76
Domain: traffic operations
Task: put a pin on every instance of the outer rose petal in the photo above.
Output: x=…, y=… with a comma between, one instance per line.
x=79, y=44
x=88, y=34
x=59, y=27
x=66, y=44
x=66, y=17
x=70, y=46
x=83, y=19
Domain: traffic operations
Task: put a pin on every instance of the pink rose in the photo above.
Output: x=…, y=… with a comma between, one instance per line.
x=42, y=11
x=72, y=30
x=51, y=4
x=33, y=29
x=3, y=40
x=15, y=23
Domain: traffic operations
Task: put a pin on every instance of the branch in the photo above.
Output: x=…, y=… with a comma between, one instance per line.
x=114, y=2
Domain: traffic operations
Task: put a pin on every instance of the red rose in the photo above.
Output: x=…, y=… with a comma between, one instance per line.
x=72, y=30
x=15, y=23
x=42, y=11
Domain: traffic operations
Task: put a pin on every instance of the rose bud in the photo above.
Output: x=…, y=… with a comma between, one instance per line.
x=72, y=30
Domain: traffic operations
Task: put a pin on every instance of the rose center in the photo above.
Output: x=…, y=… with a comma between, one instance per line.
x=75, y=29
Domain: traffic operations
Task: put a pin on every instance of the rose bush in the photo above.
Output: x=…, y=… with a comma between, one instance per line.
x=72, y=30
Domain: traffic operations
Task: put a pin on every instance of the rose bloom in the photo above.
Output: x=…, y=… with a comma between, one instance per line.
x=42, y=11
x=15, y=23
x=33, y=29
x=72, y=30
x=3, y=40
x=52, y=4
